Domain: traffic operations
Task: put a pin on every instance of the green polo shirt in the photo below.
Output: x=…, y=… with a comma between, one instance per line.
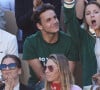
x=36, y=47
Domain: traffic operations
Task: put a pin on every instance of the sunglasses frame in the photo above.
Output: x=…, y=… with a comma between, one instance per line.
x=10, y=66
x=50, y=68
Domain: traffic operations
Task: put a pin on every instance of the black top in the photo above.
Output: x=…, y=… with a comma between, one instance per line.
x=23, y=13
x=22, y=87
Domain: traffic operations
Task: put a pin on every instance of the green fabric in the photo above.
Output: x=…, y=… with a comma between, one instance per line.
x=36, y=47
x=85, y=44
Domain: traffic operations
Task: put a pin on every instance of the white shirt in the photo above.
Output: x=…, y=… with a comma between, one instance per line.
x=16, y=87
x=8, y=5
x=8, y=44
x=97, y=53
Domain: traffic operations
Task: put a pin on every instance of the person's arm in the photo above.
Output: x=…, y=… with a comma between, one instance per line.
x=80, y=5
x=71, y=22
x=37, y=68
x=30, y=55
x=12, y=46
x=69, y=10
x=72, y=65
x=9, y=82
x=37, y=3
x=98, y=1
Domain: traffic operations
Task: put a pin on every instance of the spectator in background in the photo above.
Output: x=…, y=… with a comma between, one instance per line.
x=87, y=42
x=58, y=75
x=11, y=69
x=8, y=42
x=8, y=5
x=49, y=39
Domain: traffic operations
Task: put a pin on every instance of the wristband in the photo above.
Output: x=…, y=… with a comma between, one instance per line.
x=69, y=4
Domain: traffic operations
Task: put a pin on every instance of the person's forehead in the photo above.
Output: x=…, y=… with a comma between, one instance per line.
x=50, y=62
x=47, y=13
x=8, y=60
x=92, y=6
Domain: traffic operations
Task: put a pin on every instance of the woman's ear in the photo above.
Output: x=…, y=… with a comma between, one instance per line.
x=19, y=71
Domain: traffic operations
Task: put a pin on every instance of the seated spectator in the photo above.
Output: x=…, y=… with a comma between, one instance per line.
x=58, y=75
x=49, y=39
x=11, y=69
x=8, y=42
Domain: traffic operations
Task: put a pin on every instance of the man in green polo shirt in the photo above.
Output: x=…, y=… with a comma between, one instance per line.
x=49, y=39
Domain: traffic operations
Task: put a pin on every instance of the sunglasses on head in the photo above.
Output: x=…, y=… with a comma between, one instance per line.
x=50, y=68
x=10, y=66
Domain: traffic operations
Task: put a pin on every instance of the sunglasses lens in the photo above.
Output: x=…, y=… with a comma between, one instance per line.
x=3, y=66
x=50, y=68
x=10, y=66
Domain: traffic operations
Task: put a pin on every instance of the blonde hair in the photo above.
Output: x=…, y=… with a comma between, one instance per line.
x=65, y=74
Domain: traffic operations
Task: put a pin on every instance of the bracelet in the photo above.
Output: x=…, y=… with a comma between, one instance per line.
x=69, y=3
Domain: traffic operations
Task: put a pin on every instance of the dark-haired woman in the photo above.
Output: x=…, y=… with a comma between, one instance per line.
x=11, y=69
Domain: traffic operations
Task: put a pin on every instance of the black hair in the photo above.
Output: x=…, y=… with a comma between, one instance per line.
x=15, y=58
x=40, y=9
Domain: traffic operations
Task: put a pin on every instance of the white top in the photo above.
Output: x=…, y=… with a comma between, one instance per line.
x=16, y=87
x=8, y=5
x=8, y=44
x=97, y=53
x=89, y=87
x=76, y=87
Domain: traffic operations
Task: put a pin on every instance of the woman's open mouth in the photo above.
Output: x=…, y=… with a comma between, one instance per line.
x=93, y=23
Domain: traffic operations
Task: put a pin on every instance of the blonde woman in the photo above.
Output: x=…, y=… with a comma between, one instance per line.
x=58, y=75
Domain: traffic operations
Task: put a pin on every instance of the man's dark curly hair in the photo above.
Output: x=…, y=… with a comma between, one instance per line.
x=39, y=10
